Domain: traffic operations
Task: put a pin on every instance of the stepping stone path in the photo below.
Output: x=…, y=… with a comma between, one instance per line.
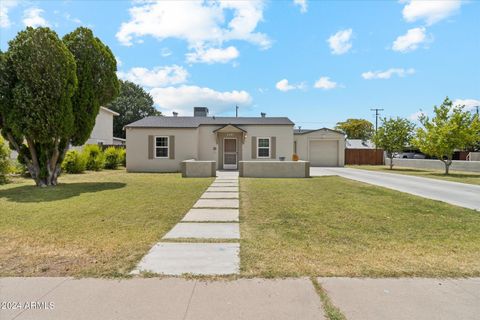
x=214, y=216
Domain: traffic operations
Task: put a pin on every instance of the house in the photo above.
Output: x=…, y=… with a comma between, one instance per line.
x=322, y=147
x=102, y=132
x=359, y=144
x=160, y=144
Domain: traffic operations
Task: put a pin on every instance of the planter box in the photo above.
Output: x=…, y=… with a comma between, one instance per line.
x=274, y=169
x=198, y=169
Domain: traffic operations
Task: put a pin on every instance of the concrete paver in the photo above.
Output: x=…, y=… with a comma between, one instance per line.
x=405, y=298
x=221, y=215
x=219, y=195
x=195, y=258
x=204, y=231
x=224, y=184
x=223, y=189
x=459, y=194
x=217, y=203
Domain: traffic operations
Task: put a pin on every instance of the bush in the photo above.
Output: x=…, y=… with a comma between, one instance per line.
x=16, y=167
x=94, y=157
x=112, y=158
x=74, y=162
x=4, y=161
x=123, y=157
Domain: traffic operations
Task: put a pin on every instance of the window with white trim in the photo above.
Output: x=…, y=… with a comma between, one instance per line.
x=263, y=147
x=161, y=147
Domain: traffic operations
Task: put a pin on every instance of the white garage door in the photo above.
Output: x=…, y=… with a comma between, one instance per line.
x=324, y=153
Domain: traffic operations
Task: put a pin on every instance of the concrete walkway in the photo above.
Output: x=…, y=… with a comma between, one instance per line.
x=459, y=194
x=169, y=298
x=213, y=216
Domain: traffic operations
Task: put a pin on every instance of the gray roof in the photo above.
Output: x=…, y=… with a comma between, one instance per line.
x=359, y=144
x=194, y=122
x=306, y=131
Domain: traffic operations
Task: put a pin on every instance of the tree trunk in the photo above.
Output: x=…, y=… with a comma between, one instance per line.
x=391, y=163
x=447, y=164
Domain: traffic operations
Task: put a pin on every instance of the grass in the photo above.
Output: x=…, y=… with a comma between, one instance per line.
x=331, y=311
x=93, y=224
x=455, y=176
x=330, y=226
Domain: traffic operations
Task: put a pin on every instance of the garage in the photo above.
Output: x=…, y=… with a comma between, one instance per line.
x=323, y=153
x=322, y=147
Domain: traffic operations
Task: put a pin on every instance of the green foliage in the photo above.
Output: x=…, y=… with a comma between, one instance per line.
x=394, y=135
x=74, y=162
x=113, y=158
x=95, y=157
x=97, y=80
x=4, y=161
x=133, y=104
x=123, y=157
x=451, y=128
x=356, y=129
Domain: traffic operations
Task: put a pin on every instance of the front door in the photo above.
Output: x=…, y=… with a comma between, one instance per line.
x=230, y=153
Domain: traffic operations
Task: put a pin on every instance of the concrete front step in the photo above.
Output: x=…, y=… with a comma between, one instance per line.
x=220, y=215
x=219, y=195
x=217, y=203
x=204, y=231
x=195, y=258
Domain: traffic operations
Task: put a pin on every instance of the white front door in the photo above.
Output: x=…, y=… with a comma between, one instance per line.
x=230, y=153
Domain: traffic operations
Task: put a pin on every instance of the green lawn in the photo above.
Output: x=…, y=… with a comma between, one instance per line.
x=93, y=224
x=330, y=226
x=455, y=176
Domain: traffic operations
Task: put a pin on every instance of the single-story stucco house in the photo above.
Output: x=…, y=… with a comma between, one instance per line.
x=161, y=143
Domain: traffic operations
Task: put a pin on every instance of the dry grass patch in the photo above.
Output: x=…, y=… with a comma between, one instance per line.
x=93, y=224
x=330, y=226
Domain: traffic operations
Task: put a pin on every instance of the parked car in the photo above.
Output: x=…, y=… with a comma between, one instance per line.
x=409, y=155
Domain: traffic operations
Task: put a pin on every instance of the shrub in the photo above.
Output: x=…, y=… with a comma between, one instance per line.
x=4, y=161
x=112, y=158
x=17, y=167
x=94, y=157
x=123, y=157
x=74, y=162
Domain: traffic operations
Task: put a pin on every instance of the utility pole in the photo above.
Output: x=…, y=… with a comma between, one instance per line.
x=377, y=113
x=477, y=109
x=236, y=111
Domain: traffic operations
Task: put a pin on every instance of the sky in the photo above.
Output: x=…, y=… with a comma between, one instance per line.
x=316, y=62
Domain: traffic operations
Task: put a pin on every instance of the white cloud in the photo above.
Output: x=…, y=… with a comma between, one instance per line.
x=469, y=104
x=302, y=4
x=284, y=86
x=213, y=55
x=410, y=41
x=325, y=83
x=165, y=52
x=5, y=6
x=387, y=74
x=119, y=62
x=340, y=42
x=32, y=17
x=415, y=116
x=182, y=99
x=200, y=23
x=430, y=11
x=156, y=77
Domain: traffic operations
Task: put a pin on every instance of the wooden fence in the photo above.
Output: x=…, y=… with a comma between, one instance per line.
x=364, y=156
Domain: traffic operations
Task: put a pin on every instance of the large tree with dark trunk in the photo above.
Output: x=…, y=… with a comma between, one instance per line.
x=50, y=94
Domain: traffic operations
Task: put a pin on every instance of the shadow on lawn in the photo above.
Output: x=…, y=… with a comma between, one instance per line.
x=60, y=192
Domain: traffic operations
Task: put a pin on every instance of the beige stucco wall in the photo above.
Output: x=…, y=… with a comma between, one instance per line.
x=103, y=130
x=303, y=143
x=284, y=140
x=274, y=169
x=186, y=147
x=198, y=169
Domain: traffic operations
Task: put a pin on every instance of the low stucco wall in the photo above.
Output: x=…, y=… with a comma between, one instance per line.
x=473, y=166
x=194, y=168
x=274, y=169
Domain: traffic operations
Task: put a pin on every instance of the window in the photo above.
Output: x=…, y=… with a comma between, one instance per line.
x=161, y=147
x=263, y=147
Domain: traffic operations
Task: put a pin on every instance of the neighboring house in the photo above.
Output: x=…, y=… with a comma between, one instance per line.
x=102, y=132
x=160, y=144
x=359, y=144
x=119, y=141
x=322, y=147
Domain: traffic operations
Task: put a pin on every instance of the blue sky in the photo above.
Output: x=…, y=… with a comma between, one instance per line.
x=317, y=62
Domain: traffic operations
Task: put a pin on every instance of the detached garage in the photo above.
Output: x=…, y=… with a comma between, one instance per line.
x=323, y=147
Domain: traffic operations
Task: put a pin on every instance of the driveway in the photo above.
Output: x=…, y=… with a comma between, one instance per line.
x=459, y=194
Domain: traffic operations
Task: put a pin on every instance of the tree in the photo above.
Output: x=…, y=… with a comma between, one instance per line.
x=42, y=106
x=451, y=128
x=393, y=136
x=356, y=129
x=133, y=103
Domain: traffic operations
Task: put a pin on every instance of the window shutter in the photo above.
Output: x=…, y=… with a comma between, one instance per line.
x=171, y=147
x=254, y=147
x=273, y=147
x=150, y=147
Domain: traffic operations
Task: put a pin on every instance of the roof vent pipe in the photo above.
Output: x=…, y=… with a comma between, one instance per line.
x=175, y=114
x=263, y=114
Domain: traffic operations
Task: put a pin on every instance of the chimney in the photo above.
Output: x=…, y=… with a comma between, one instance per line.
x=175, y=114
x=200, y=112
x=263, y=114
